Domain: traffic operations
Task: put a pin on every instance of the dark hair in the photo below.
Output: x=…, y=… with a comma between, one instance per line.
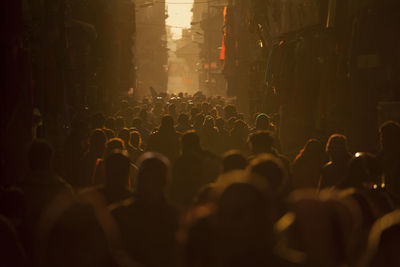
x=261, y=142
x=270, y=168
x=125, y=135
x=152, y=173
x=167, y=123
x=114, y=144
x=116, y=167
x=136, y=139
x=234, y=160
x=190, y=141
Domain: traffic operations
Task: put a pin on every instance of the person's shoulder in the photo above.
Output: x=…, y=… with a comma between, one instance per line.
x=122, y=208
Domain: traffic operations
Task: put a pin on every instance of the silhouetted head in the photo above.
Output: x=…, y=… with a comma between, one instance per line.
x=97, y=141
x=194, y=111
x=220, y=123
x=116, y=167
x=183, y=119
x=383, y=242
x=125, y=135
x=262, y=122
x=167, y=124
x=237, y=199
x=190, y=142
x=208, y=122
x=389, y=134
x=136, y=139
x=364, y=171
x=198, y=120
x=336, y=147
x=270, y=168
x=152, y=175
x=234, y=160
x=109, y=133
x=312, y=150
x=230, y=111
x=114, y=144
x=261, y=142
x=40, y=155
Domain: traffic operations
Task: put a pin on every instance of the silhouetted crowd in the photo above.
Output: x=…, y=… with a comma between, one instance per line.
x=178, y=180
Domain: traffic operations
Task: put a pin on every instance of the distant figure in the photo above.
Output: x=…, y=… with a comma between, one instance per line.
x=136, y=143
x=97, y=142
x=125, y=135
x=144, y=132
x=192, y=170
x=223, y=135
x=183, y=123
x=165, y=140
x=308, y=164
x=210, y=135
x=147, y=222
x=389, y=156
x=336, y=169
x=239, y=134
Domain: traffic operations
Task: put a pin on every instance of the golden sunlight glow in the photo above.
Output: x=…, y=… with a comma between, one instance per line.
x=179, y=16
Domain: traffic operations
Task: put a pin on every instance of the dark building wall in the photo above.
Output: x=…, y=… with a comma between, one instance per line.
x=327, y=67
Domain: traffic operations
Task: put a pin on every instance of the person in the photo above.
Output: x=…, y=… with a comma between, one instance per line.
x=223, y=136
x=262, y=142
x=270, y=168
x=389, y=156
x=210, y=135
x=234, y=160
x=238, y=136
x=183, y=123
x=383, y=242
x=364, y=179
x=137, y=123
x=193, y=169
x=336, y=169
x=147, y=222
x=40, y=187
x=262, y=122
x=99, y=172
x=117, y=166
x=237, y=233
x=136, y=143
x=97, y=142
x=165, y=140
x=125, y=135
x=308, y=164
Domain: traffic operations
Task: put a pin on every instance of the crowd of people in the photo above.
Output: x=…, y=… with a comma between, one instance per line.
x=178, y=180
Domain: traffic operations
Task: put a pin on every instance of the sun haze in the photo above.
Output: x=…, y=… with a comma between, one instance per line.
x=179, y=16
